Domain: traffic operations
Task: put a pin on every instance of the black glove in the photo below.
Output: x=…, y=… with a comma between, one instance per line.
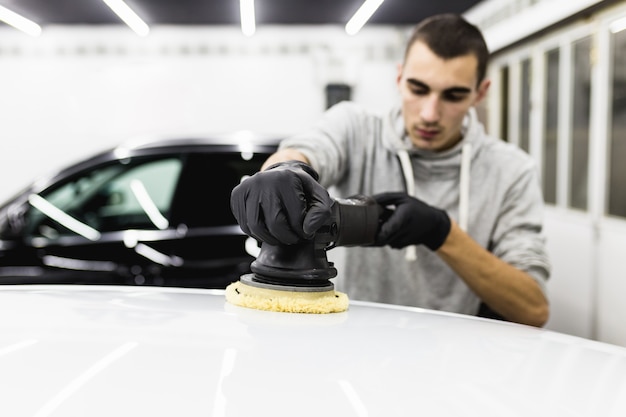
x=282, y=204
x=411, y=222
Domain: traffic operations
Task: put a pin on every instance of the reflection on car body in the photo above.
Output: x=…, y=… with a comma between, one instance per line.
x=157, y=214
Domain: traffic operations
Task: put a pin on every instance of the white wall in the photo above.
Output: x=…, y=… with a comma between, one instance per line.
x=611, y=282
x=571, y=243
x=588, y=286
x=73, y=91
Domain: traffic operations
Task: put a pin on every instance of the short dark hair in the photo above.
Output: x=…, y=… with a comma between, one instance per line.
x=449, y=36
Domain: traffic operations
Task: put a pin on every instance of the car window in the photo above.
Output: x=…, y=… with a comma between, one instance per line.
x=136, y=194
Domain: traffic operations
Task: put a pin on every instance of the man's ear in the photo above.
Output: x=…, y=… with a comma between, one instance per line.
x=482, y=89
x=399, y=75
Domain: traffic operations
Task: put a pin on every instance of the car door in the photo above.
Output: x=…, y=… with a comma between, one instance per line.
x=214, y=251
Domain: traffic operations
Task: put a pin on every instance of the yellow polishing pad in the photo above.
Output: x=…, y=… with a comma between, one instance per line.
x=249, y=296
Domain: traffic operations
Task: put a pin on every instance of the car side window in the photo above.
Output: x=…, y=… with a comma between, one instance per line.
x=136, y=194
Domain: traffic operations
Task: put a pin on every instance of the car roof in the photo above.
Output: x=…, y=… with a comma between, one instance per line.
x=237, y=138
x=105, y=350
x=243, y=141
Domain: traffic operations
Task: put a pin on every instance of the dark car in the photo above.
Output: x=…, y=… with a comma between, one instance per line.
x=154, y=213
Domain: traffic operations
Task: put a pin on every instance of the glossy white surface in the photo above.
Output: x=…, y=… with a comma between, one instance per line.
x=107, y=351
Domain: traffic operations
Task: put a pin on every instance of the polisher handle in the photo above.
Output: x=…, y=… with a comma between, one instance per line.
x=354, y=222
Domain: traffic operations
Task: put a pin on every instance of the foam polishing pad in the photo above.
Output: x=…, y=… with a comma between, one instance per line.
x=243, y=295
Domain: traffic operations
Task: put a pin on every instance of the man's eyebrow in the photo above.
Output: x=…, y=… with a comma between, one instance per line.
x=417, y=83
x=453, y=90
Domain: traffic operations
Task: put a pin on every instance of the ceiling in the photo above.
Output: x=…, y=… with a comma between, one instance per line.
x=226, y=12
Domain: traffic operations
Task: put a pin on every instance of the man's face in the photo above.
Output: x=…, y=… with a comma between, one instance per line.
x=436, y=94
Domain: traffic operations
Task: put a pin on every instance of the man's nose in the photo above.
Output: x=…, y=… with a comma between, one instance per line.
x=430, y=109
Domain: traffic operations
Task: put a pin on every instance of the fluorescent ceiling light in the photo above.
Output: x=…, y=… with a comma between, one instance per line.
x=19, y=22
x=128, y=16
x=362, y=15
x=246, y=8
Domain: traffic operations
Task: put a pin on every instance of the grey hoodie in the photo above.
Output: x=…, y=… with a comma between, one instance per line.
x=497, y=201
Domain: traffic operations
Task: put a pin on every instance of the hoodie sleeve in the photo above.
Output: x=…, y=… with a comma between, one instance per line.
x=518, y=237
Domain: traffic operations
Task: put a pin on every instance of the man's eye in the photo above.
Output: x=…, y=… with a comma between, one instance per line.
x=454, y=97
x=419, y=91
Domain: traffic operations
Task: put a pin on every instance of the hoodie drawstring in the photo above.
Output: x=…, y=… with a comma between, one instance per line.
x=409, y=181
x=464, y=188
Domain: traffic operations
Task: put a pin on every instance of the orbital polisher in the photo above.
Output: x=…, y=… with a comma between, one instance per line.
x=296, y=278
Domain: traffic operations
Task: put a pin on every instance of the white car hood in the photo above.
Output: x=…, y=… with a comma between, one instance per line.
x=128, y=351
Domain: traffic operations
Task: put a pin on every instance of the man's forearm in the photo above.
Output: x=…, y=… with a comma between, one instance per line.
x=507, y=290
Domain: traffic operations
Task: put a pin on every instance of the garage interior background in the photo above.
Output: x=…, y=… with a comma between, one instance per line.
x=77, y=89
x=74, y=90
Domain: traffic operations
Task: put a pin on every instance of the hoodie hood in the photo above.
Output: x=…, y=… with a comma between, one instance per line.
x=427, y=164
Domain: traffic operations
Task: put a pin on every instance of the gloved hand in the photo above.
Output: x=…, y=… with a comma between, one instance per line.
x=412, y=222
x=282, y=204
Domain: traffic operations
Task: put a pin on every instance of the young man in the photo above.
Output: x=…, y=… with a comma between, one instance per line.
x=466, y=229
